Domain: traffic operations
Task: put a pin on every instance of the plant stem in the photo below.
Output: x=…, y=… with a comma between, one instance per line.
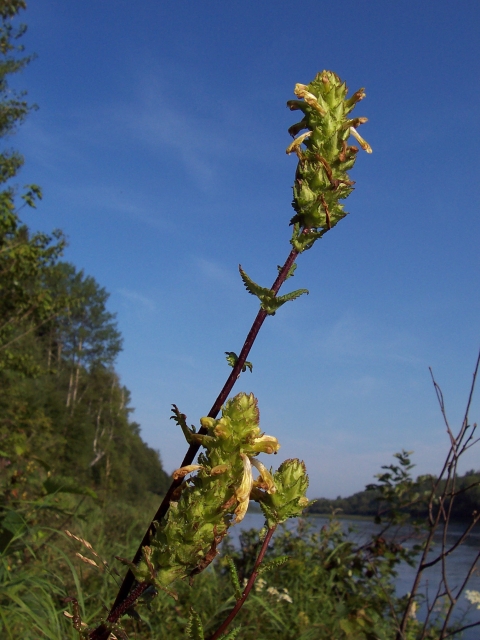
x=239, y=604
x=99, y=633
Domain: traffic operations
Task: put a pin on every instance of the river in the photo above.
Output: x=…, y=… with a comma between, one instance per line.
x=457, y=565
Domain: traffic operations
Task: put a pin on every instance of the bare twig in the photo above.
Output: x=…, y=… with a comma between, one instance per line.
x=443, y=514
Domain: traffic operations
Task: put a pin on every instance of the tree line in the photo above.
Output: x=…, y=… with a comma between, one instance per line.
x=64, y=414
x=370, y=502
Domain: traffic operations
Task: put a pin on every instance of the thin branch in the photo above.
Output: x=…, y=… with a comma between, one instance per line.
x=458, y=542
x=472, y=389
x=464, y=628
x=457, y=447
x=459, y=592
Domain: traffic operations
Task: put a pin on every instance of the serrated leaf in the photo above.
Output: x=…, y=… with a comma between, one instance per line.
x=291, y=296
x=272, y=304
x=181, y=420
x=270, y=515
x=273, y=564
x=232, y=359
x=194, y=628
x=234, y=577
x=301, y=241
x=268, y=300
x=291, y=271
x=252, y=287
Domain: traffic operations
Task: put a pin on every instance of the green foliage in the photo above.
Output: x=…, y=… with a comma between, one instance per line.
x=232, y=361
x=414, y=501
x=25, y=303
x=237, y=589
x=269, y=301
x=194, y=628
x=288, y=501
x=329, y=588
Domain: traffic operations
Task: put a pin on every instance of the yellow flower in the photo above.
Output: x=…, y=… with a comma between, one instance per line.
x=265, y=474
x=301, y=91
x=183, y=471
x=363, y=143
x=297, y=142
x=266, y=444
x=242, y=493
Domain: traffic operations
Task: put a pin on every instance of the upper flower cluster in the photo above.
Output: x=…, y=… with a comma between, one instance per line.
x=321, y=179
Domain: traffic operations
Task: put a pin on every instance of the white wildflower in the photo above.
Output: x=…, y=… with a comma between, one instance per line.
x=260, y=584
x=273, y=591
x=473, y=597
x=285, y=596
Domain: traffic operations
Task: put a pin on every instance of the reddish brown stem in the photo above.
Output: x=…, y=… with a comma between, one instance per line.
x=104, y=630
x=101, y=632
x=239, y=604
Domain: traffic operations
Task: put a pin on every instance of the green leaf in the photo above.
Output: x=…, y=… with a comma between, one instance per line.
x=194, y=628
x=12, y=526
x=234, y=577
x=291, y=271
x=303, y=240
x=181, y=420
x=268, y=300
x=66, y=485
x=291, y=296
x=273, y=564
x=232, y=359
x=34, y=193
x=252, y=287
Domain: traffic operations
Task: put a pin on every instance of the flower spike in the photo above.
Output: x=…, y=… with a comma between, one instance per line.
x=321, y=179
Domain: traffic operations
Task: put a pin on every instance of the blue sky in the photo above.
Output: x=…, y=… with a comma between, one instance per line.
x=160, y=146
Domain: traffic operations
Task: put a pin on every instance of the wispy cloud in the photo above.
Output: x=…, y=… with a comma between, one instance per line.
x=173, y=125
x=137, y=298
x=115, y=200
x=355, y=337
x=216, y=272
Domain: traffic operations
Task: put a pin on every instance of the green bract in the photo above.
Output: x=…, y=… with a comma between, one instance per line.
x=321, y=179
x=217, y=496
x=289, y=500
x=269, y=301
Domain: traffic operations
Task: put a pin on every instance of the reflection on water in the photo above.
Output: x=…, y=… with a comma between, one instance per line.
x=458, y=563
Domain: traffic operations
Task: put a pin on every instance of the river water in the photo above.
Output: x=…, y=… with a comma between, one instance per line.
x=458, y=563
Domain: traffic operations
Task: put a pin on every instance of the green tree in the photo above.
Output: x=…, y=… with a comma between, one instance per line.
x=25, y=303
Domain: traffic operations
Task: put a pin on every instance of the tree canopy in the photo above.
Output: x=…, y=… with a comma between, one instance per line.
x=62, y=405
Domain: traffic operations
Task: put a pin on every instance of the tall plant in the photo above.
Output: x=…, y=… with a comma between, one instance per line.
x=196, y=513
